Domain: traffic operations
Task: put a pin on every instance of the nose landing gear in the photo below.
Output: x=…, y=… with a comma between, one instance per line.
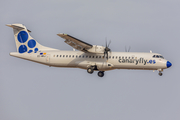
x=160, y=72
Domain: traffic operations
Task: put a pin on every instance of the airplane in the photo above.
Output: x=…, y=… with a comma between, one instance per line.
x=89, y=57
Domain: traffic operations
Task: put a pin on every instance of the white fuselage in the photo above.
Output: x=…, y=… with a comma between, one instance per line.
x=78, y=59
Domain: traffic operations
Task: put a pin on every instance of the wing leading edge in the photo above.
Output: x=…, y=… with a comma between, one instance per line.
x=75, y=43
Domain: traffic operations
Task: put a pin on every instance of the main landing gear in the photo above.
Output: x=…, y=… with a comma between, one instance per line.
x=101, y=73
x=90, y=70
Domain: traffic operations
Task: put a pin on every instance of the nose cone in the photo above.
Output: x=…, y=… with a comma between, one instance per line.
x=168, y=64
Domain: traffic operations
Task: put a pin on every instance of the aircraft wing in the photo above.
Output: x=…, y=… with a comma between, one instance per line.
x=75, y=43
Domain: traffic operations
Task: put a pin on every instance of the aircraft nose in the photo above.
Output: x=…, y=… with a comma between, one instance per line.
x=168, y=64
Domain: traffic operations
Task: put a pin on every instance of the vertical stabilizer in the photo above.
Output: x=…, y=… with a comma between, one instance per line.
x=24, y=42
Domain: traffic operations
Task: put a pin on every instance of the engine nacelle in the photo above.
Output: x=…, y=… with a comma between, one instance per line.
x=96, y=49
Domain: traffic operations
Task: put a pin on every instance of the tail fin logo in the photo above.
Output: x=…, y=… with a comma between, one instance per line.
x=22, y=49
x=31, y=43
x=22, y=38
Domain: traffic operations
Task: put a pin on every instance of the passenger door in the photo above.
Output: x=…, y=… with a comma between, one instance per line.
x=48, y=58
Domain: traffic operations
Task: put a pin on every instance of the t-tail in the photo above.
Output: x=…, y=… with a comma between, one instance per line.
x=24, y=42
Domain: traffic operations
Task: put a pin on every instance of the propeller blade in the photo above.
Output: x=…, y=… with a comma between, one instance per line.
x=129, y=48
x=107, y=56
x=107, y=49
x=109, y=43
x=106, y=42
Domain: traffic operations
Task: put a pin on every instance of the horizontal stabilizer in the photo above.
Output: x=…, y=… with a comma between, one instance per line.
x=17, y=27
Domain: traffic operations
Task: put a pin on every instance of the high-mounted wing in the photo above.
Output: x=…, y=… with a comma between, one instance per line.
x=75, y=43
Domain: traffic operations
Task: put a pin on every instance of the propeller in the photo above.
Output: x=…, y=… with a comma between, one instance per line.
x=107, y=49
x=128, y=49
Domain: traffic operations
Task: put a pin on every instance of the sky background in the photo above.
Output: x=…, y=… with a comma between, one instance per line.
x=31, y=91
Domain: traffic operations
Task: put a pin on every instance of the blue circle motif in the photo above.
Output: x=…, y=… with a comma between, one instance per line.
x=30, y=51
x=31, y=43
x=22, y=36
x=22, y=49
x=35, y=50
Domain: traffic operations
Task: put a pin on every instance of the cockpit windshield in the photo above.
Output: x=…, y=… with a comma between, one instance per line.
x=158, y=56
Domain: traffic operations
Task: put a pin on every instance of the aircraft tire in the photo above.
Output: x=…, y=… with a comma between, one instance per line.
x=101, y=73
x=160, y=73
x=90, y=70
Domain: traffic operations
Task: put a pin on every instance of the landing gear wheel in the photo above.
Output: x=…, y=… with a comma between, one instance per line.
x=101, y=73
x=160, y=73
x=90, y=70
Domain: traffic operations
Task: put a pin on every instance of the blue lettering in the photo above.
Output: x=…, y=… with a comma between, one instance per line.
x=150, y=61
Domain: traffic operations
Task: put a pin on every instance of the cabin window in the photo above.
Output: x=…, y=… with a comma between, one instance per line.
x=63, y=55
x=110, y=57
x=113, y=57
x=83, y=56
x=161, y=57
x=92, y=56
x=86, y=56
x=96, y=56
x=76, y=56
x=119, y=57
x=132, y=57
x=126, y=57
x=123, y=57
x=99, y=56
x=57, y=55
x=80, y=56
x=129, y=57
x=89, y=56
x=73, y=56
x=69, y=55
x=116, y=57
x=109, y=64
x=66, y=55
